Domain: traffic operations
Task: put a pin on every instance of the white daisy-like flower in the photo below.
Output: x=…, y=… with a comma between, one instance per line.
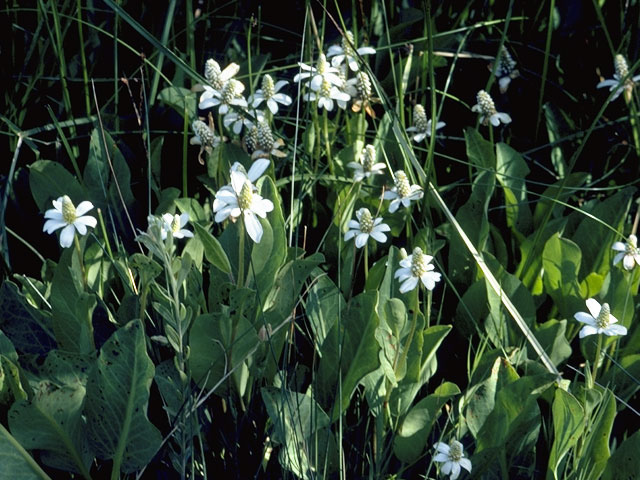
x=506, y=69
x=175, y=224
x=366, y=226
x=230, y=95
x=343, y=52
x=629, y=253
x=269, y=93
x=240, y=197
x=452, y=458
x=234, y=121
x=367, y=165
x=487, y=109
x=322, y=72
x=403, y=192
x=65, y=214
x=326, y=95
x=421, y=126
x=599, y=320
x=621, y=82
x=416, y=267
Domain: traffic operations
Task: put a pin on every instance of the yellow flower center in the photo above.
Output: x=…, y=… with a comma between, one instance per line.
x=246, y=195
x=622, y=69
x=204, y=133
x=420, y=118
x=268, y=88
x=68, y=210
x=347, y=41
x=402, y=184
x=325, y=89
x=363, y=85
x=175, y=223
x=264, y=137
x=212, y=73
x=603, y=317
x=368, y=157
x=322, y=64
x=486, y=103
x=455, y=451
x=366, y=221
x=418, y=265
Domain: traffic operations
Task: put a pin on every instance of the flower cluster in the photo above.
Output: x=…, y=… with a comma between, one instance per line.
x=328, y=84
x=421, y=125
x=488, y=112
x=599, y=320
x=628, y=253
x=452, y=458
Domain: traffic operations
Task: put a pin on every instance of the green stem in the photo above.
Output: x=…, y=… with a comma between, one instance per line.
x=633, y=120
x=596, y=360
x=104, y=234
x=325, y=133
x=79, y=252
x=366, y=263
x=241, y=254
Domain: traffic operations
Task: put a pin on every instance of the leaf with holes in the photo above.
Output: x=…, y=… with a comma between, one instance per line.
x=117, y=398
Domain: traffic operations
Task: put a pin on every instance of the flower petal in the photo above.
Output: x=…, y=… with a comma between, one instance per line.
x=584, y=317
x=587, y=330
x=593, y=306
x=615, y=330
x=53, y=224
x=83, y=208
x=466, y=464
x=361, y=239
x=409, y=284
x=66, y=236
x=253, y=226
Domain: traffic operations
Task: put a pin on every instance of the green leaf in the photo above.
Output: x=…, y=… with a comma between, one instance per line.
x=50, y=180
x=624, y=464
x=594, y=233
x=512, y=428
x=561, y=262
x=479, y=150
x=117, y=398
x=323, y=305
x=551, y=335
x=106, y=175
x=349, y=352
x=414, y=431
x=182, y=100
x=213, y=251
x=472, y=217
x=28, y=328
x=568, y=424
x=299, y=421
x=511, y=173
x=270, y=254
x=595, y=453
x=71, y=307
x=15, y=461
x=52, y=423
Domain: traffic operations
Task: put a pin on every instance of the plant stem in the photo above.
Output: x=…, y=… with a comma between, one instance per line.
x=79, y=252
x=241, y=254
x=366, y=263
x=596, y=359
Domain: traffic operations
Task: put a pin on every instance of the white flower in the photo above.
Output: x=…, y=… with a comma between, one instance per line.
x=453, y=458
x=488, y=111
x=506, y=69
x=416, y=266
x=629, y=252
x=231, y=94
x=346, y=52
x=621, y=81
x=402, y=193
x=240, y=197
x=599, y=320
x=216, y=77
x=234, y=121
x=421, y=126
x=367, y=165
x=366, y=227
x=326, y=95
x=269, y=93
x=323, y=72
x=175, y=224
x=64, y=214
